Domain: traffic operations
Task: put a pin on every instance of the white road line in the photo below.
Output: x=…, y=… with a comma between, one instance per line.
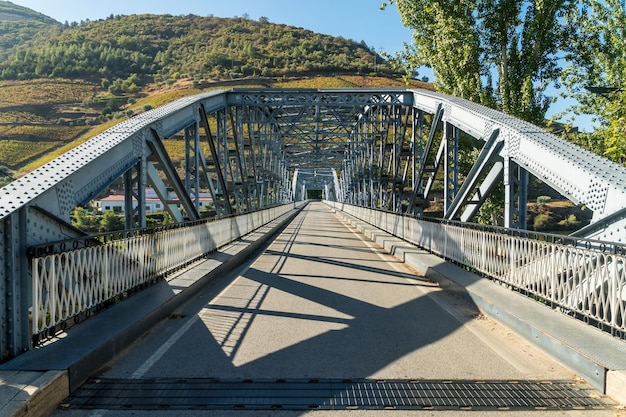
x=158, y=354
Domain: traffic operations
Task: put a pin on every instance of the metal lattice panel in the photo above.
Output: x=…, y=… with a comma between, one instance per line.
x=326, y=97
x=330, y=394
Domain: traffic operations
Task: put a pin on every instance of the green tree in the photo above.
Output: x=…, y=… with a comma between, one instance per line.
x=465, y=42
x=111, y=222
x=597, y=54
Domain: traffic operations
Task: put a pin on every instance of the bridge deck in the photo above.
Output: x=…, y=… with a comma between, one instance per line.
x=322, y=304
x=323, y=319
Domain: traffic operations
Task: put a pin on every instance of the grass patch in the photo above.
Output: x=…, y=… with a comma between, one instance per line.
x=160, y=99
x=314, y=82
x=18, y=117
x=378, y=82
x=20, y=151
x=44, y=91
x=31, y=166
x=48, y=132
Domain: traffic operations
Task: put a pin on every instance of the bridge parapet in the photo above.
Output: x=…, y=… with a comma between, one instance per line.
x=73, y=278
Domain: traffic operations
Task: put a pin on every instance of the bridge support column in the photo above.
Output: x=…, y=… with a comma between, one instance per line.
x=338, y=192
x=294, y=185
x=417, y=152
x=221, y=201
x=451, y=167
x=192, y=164
x=15, y=286
x=135, y=189
x=515, y=194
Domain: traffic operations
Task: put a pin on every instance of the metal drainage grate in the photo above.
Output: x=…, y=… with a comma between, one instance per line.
x=333, y=394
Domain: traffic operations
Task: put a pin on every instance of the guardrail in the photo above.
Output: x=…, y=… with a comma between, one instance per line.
x=74, y=277
x=582, y=278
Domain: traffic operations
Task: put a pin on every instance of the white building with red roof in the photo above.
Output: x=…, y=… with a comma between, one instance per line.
x=115, y=202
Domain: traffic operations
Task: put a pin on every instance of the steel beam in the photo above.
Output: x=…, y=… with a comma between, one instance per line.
x=15, y=286
x=490, y=182
x=423, y=169
x=451, y=166
x=486, y=158
x=221, y=198
x=192, y=164
x=159, y=155
x=515, y=195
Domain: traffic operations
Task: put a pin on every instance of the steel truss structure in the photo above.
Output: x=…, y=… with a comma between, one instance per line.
x=389, y=149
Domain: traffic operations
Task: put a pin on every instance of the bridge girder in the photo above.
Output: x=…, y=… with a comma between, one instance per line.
x=579, y=175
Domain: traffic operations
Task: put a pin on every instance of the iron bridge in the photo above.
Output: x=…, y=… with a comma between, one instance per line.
x=254, y=149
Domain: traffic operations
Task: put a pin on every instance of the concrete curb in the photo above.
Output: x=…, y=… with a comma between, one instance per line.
x=32, y=394
x=593, y=354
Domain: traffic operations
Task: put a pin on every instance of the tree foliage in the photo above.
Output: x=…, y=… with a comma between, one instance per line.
x=111, y=222
x=467, y=42
x=597, y=54
x=20, y=26
x=190, y=46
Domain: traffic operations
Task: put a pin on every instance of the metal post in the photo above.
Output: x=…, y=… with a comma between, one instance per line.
x=516, y=195
x=192, y=163
x=135, y=196
x=451, y=167
x=15, y=286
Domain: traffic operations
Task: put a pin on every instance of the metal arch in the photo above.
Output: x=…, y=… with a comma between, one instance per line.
x=581, y=176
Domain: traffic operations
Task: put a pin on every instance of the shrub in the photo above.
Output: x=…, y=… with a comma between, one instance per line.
x=570, y=221
x=543, y=199
x=111, y=222
x=541, y=222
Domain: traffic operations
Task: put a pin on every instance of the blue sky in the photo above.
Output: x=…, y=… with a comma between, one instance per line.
x=360, y=20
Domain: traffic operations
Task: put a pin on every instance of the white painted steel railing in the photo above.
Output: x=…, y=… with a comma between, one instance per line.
x=580, y=280
x=69, y=283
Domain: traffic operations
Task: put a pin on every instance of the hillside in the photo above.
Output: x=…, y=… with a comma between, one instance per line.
x=163, y=47
x=20, y=25
x=63, y=83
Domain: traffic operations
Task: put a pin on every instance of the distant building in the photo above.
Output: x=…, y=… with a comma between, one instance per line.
x=115, y=202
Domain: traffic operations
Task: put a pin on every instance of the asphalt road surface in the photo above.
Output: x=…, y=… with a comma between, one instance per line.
x=324, y=305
